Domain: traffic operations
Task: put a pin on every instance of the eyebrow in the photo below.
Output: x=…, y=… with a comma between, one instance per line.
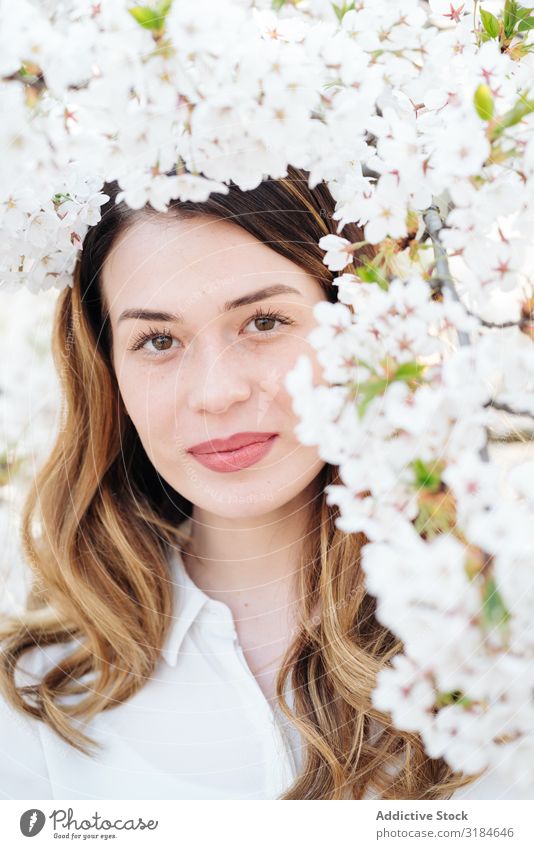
x=244, y=300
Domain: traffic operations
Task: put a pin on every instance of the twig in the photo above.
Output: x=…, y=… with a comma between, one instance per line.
x=434, y=225
x=444, y=279
x=493, y=324
x=475, y=10
x=505, y=408
x=498, y=325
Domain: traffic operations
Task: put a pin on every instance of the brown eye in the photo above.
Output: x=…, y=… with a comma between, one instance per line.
x=159, y=342
x=153, y=341
x=266, y=321
x=260, y=323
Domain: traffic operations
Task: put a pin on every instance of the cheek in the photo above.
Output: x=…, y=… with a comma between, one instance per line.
x=304, y=348
x=147, y=399
x=273, y=366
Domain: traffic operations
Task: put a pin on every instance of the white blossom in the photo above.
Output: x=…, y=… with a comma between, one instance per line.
x=397, y=107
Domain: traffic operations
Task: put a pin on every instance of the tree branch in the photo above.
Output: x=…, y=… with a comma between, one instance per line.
x=434, y=225
x=505, y=408
x=444, y=279
x=493, y=324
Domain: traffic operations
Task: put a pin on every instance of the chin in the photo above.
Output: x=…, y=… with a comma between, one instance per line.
x=240, y=505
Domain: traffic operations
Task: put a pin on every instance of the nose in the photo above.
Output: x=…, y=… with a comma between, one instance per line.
x=218, y=378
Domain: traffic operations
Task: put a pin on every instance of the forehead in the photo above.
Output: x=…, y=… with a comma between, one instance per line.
x=161, y=257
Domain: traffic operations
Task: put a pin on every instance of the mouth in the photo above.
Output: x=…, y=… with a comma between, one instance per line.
x=237, y=458
x=230, y=443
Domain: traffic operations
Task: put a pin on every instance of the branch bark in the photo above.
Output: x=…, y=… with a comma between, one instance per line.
x=434, y=225
x=505, y=408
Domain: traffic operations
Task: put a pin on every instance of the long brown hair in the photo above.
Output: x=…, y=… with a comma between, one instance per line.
x=99, y=520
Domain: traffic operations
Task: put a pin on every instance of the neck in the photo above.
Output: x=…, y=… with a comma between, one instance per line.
x=251, y=562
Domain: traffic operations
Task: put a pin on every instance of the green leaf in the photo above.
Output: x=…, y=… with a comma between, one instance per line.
x=370, y=274
x=409, y=371
x=366, y=365
x=453, y=697
x=510, y=10
x=23, y=72
x=151, y=17
x=484, y=103
x=513, y=15
x=164, y=7
x=426, y=477
x=368, y=391
x=60, y=198
x=494, y=611
x=378, y=385
x=516, y=114
x=526, y=24
x=276, y=5
x=341, y=11
x=491, y=23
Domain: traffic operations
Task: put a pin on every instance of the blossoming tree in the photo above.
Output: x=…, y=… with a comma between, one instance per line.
x=419, y=116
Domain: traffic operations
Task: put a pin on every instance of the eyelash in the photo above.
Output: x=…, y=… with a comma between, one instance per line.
x=153, y=332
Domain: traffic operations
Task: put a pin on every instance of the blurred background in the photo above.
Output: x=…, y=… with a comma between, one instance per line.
x=29, y=418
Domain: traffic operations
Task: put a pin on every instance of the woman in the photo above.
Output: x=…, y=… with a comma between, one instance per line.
x=198, y=626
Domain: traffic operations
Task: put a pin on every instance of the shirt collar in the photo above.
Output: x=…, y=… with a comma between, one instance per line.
x=189, y=601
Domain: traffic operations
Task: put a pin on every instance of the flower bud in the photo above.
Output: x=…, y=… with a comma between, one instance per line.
x=526, y=323
x=477, y=561
x=483, y=101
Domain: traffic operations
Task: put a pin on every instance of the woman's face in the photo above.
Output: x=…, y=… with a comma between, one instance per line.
x=230, y=318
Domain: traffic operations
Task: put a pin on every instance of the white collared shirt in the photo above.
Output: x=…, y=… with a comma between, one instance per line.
x=200, y=728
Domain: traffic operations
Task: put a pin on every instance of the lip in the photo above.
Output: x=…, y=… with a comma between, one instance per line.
x=239, y=458
x=231, y=443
